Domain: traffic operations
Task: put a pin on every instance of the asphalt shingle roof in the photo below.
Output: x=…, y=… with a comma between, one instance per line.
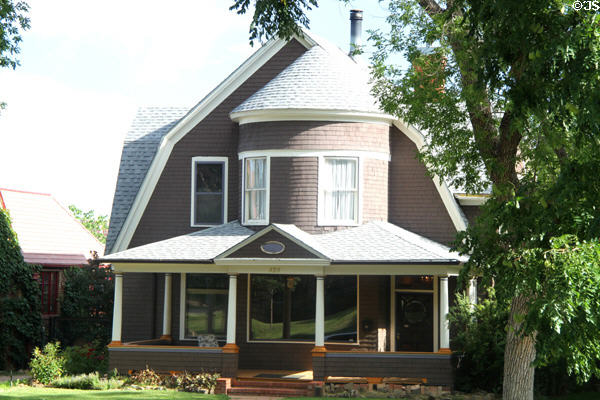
x=140, y=146
x=372, y=242
x=198, y=246
x=322, y=78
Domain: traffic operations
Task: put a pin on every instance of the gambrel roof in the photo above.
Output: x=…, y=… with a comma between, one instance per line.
x=323, y=79
x=140, y=146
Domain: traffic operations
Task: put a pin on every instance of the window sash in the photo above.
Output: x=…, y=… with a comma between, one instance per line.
x=255, y=190
x=201, y=195
x=340, y=191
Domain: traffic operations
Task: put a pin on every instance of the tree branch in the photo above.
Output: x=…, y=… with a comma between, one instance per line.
x=431, y=7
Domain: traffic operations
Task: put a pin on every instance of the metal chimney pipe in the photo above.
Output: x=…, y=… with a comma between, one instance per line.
x=356, y=17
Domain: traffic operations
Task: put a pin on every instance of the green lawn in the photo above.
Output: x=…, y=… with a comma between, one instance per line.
x=31, y=393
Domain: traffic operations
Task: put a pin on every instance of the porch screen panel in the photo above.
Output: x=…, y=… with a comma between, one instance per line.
x=340, y=193
x=340, y=309
x=282, y=307
x=206, y=305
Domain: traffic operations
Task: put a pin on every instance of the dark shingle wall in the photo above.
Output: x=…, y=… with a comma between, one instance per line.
x=415, y=203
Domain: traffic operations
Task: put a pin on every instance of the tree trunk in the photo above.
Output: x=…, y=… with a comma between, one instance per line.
x=519, y=355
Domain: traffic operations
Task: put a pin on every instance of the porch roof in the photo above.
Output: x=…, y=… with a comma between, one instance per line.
x=374, y=242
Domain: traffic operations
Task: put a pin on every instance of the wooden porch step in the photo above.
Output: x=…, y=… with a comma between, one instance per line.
x=268, y=391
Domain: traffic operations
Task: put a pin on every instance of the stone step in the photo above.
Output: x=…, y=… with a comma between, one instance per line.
x=286, y=384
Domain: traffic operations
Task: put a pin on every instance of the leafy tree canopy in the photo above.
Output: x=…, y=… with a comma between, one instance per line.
x=97, y=225
x=507, y=94
x=13, y=17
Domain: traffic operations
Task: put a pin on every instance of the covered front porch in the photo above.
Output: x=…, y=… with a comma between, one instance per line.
x=372, y=319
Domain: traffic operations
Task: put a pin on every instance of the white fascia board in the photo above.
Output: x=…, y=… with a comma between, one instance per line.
x=393, y=269
x=169, y=267
x=190, y=120
x=270, y=262
x=456, y=215
x=253, y=116
x=471, y=199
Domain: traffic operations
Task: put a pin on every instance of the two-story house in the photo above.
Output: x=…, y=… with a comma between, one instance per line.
x=283, y=223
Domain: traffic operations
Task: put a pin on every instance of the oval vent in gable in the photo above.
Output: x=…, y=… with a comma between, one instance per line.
x=272, y=247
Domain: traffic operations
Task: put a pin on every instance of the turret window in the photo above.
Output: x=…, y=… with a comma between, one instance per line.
x=209, y=191
x=256, y=191
x=338, y=191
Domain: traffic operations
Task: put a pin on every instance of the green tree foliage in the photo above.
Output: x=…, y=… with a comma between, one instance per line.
x=13, y=18
x=87, y=305
x=20, y=315
x=508, y=97
x=272, y=18
x=97, y=225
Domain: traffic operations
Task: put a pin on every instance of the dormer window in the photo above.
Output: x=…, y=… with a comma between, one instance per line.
x=209, y=191
x=338, y=191
x=256, y=191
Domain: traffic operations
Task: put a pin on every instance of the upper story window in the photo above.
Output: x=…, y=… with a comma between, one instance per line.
x=256, y=191
x=209, y=191
x=338, y=191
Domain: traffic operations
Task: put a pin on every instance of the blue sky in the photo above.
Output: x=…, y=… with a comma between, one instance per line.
x=86, y=67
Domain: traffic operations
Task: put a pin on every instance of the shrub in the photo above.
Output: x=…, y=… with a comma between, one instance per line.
x=479, y=341
x=146, y=377
x=87, y=382
x=47, y=365
x=188, y=382
x=85, y=359
x=86, y=305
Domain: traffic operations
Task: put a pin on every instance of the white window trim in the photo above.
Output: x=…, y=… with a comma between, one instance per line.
x=208, y=160
x=267, y=195
x=321, y=220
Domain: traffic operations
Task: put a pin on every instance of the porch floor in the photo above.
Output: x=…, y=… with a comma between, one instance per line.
x=260, y=374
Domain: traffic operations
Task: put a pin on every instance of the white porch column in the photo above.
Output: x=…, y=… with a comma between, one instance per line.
x=444, y=328
x=117, y=310
x=231, y=311
x=472, y=291
x=320, y=313
x=167, y=308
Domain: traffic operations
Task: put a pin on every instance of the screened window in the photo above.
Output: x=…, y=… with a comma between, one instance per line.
x=209, y=183
x=283, y=308
x=205, y=305
x=256, y=190
x=339, y=191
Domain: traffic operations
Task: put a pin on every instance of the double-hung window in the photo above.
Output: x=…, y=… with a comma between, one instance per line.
x=209, y=191
x=338, y=191
x=256, y=191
